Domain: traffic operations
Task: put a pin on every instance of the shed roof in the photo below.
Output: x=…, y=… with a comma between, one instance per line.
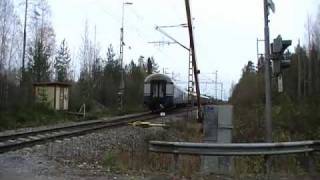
x=159, y=77
x=51, y=84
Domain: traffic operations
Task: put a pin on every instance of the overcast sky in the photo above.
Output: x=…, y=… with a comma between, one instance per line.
x=225, y=30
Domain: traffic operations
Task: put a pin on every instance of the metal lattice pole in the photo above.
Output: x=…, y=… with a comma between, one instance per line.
x=122, y=84
x=194, y=60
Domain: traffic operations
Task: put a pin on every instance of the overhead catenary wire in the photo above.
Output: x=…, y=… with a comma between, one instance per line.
x=137, y=29
x=130, y=26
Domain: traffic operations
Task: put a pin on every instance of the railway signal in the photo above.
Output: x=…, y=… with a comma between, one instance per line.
x=281, y=60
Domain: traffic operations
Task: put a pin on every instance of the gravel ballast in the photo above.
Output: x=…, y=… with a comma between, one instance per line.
x=82, y=157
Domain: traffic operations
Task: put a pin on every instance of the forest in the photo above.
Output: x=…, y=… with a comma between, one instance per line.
x=296, y=110
x=45, y=60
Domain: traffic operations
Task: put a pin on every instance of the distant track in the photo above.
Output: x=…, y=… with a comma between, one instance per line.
x=21, y=140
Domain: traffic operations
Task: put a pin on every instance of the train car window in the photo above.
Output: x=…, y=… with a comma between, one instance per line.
x=147, y=89
x=169, y=89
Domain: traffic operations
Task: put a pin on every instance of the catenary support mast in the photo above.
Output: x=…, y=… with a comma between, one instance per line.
x=194, y=60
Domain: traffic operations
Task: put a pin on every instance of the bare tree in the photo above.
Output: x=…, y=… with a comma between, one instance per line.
x=309, y=71
x=316, y=51
x=9, y=34
x=42, y=44
x=298, y=50
x=86, y=54
x=9, y=47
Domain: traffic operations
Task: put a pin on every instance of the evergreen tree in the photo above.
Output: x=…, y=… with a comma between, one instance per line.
x=111, y=79
x=39, y=65
x=62, y=62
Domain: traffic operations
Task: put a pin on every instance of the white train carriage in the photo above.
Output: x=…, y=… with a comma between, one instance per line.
x=160, y=92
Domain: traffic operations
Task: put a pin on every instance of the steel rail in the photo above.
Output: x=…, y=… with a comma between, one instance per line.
x=77, y=125
x=21, y=140
x=237, y=149
x=53, y=135
x=62, y=135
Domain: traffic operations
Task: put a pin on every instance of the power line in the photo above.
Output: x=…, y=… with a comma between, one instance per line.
x=117, y=19
x=135, y=28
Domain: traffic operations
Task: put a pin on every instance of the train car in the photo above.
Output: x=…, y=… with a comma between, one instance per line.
x=160, y=92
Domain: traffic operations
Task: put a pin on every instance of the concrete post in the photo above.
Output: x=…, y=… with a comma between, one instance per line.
x=217, y=129
x=176, y=165
x=311, y=164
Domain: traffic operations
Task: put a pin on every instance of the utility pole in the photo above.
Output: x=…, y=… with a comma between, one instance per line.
x=95, y=43
x=216, y=85
x=24, y=40
x=190, y=81
x=194, y=60
x=268, y=108
x=221, y=91
x=121, y=89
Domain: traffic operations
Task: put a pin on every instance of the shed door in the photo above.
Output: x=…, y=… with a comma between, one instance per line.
x=61, y=99
x=66, y=99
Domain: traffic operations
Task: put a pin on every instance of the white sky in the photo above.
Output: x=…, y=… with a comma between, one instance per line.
x=225, y=30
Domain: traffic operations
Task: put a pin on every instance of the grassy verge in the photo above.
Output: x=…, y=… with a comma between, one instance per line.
x=39, y=114
x=30, y=116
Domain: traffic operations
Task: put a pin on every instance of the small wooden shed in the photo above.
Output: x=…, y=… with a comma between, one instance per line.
x=56, y=94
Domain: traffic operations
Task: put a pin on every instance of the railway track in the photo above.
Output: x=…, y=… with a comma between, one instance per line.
x=21, y=140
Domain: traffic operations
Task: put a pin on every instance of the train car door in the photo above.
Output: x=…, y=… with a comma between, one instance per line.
x=158, y=89
x=154, y=91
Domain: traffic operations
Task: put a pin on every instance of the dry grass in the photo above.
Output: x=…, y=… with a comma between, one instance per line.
x=285, y=165
x=140, y=161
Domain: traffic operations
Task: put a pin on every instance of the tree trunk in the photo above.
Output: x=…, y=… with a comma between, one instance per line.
x=310, y=83
x=317, y=75
x=305, y=69
x=299, y=73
